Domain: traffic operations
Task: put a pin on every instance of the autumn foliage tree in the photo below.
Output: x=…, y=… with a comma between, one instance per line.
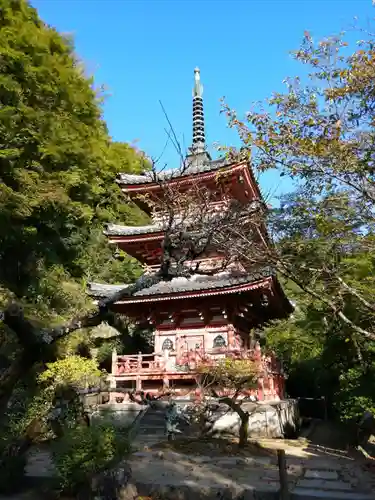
x=227, y=380
x=320, y=134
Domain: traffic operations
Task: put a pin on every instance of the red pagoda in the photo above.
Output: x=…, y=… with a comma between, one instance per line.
x=202, y=316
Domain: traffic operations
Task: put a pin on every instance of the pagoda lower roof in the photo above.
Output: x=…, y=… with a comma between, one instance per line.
x=199, y=164
x=198, y=284
x=119, y=230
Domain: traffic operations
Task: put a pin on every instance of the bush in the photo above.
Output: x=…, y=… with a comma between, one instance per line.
x=84, y=452
x=356, y=393
x=73, y=370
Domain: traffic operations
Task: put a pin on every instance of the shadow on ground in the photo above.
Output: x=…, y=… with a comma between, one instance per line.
x=203, y=469
x=209, y=469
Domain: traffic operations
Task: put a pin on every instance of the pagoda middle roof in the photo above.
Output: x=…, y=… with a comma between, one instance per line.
x=119, y=230
x=198, y=164
x=211, y=284
x=157, y=227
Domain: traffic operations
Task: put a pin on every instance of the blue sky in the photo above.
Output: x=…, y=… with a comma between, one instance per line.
x=146, y=50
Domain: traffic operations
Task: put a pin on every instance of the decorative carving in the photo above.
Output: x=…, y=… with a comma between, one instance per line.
x=167, y=345
x=182, y=368
x=219, y=341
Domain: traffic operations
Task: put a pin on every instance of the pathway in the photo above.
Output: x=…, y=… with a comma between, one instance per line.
x=151, y=428
x=206, y=477
x=314, y=471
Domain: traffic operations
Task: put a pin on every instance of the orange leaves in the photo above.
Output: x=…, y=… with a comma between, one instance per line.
x=230, y=373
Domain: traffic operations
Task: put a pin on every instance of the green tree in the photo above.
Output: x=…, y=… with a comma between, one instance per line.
x=57, y=170
x=320, y=134
x=58, y=164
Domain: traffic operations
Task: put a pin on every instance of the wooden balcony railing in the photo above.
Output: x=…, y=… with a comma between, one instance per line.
x=186, y=361
x=138, y=363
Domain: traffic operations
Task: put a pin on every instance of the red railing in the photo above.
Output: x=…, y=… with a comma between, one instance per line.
x=187, y=361
x=138, y=364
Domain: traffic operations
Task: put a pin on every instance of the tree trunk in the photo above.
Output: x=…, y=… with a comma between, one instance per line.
x=244, y=430
x=19, y=446
x=244, y=417
x=36, y=342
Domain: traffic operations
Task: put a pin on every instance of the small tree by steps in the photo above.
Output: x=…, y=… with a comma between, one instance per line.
x=227, y=380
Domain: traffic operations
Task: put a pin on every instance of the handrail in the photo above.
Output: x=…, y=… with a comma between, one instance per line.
x=134, y=428
x=217, y=350
x=156, y=362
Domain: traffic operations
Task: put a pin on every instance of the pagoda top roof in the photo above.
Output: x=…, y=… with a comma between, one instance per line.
x=196, y=164
x=213, y=284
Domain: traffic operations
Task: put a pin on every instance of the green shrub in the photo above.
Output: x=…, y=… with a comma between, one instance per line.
x=356, y=393
x=84, y=451
x=73, y=370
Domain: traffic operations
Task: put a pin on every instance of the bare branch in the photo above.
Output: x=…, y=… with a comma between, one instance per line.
x=356, y=294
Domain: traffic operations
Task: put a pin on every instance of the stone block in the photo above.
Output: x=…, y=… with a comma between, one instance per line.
x=323, y=484
x=324, y=463
x=312, y=494
x=321, y=474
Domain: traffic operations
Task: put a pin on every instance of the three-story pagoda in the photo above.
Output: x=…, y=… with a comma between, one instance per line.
x=203, y=315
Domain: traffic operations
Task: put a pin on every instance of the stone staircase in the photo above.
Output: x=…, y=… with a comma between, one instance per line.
x=151, y=428
x=329, y=480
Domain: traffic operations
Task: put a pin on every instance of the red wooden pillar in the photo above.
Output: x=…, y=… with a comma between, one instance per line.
x=231, y=337
x=260, y=391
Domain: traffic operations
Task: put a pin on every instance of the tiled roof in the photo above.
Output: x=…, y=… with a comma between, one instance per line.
x=198, y=165
x=196, y=282
x=118, y=230
x=160, y=226
x=101, y=291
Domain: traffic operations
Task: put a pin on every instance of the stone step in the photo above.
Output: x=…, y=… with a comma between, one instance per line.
x=313, y=494
x=321, y=484
x=152, y=423
x=317, y=474
x=143, y=430
x=147, y=424
x=151, y=420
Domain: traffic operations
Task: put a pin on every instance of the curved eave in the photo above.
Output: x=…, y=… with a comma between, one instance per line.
x=102, y=291
x=281, y=304
x=117, y=230
x=245, y=287
x=140, y=238
x=186, y=178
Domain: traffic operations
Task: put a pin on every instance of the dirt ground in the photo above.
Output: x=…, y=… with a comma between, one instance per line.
x=219, y=463
x=325, y=437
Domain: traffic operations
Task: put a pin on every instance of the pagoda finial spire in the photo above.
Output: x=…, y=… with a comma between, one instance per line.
x=198, y=87
x=199, y=139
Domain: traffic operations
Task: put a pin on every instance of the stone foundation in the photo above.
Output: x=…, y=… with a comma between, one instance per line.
x=267, y=419
x=119, y=414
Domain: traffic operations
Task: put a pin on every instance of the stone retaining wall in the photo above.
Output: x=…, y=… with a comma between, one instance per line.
x=277, y=420
x=267, y=419
x=121, y=414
